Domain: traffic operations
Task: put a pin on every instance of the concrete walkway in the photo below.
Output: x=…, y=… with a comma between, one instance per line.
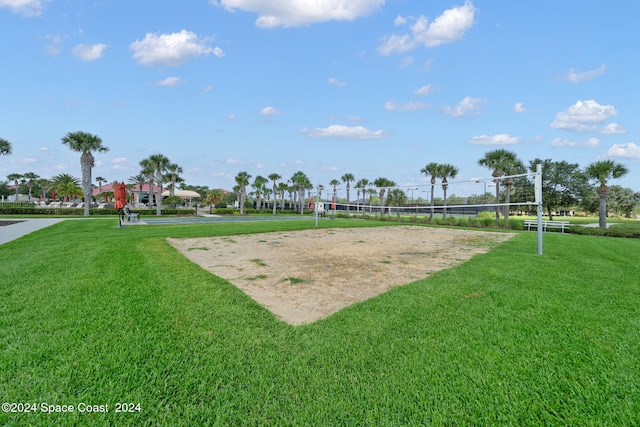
x=26, y=226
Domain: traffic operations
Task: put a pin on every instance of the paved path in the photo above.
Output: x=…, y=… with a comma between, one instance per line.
x=26, y=226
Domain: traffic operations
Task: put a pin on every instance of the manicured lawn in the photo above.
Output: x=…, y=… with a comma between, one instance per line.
x=98, y=315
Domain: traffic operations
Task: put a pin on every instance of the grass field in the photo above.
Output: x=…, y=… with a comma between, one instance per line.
x=97, y=315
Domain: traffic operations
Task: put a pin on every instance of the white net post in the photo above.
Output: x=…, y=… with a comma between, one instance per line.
x=538, y=191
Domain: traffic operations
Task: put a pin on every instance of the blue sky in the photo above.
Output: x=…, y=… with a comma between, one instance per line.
x=376, y=88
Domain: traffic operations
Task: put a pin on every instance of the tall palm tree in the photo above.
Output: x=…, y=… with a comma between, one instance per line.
x=347, y=178
x=139, y=180
x=148, y=170
x=446, y=171
x=173, y=176
x=31, y=179
x=431, y=169
x=85, y=143
x=282, y=188
x=396, y=198
x=5, y=147
x=361, y=185
x=154, y=167
x=301, y=183
x=242, y=179
x=602, y=171
x=44, y=184
x=383, y=184
x=274, y=177
x=334, y=183
x=16, y=178
x=499, y=161
x=100, y=180
x=258, y=185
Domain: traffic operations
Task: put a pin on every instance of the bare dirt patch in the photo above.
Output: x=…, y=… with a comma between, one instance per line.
x=304, y=276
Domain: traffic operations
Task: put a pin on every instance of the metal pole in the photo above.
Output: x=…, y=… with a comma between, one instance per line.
x=538, y=181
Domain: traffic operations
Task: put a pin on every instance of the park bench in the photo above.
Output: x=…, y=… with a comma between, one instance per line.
x=131, y=216
x=533, y=224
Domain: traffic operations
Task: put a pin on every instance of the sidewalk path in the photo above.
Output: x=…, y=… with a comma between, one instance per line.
x=26, y=226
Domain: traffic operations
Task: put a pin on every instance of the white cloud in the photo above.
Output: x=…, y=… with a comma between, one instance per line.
x=564, y=142
x=170, y=82
x=424, y=90
x=89, y=52
x=613, y=129
x=269, y=111
x=576, y=77
x=628, y=150
x=232, y=117
x=467, y=106
x=408, y=106
x=499, y=139
x=25, y=7
x=294, y=13
x=119, y=160
x=519, y=107
x=341, y=131
x=171, y=49
x=449, y=27
x=232, y=162
x=336, y=82
x=583, y=116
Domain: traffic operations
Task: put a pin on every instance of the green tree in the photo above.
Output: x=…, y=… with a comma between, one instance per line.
x=15, y=178
x=334, y=183
x=30, y=179
x=154, y=167
x=361, y=185
x=602, y=171
x=148, y=170
x=258, y=185
x=301, y=183
x=446, y=171
x=383, y=184
x=139, y=180
x=173, y=177
x=397, y=198
x=45, y=185
x=563, y=183
x=502, y=162
x=100, y=180
x=348, y=178
x=433, y=170
x=274, y=177
x=242, y=179
x=5, y=147
x=87, y=144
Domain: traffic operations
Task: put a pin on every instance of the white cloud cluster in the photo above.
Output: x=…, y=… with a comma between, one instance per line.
x=170, y=82
x=337, y=83
x=269, y=111
x=564, y=142
x=628, y=151
x=467, y=106
x=24, y=7
x=424, y=90
x=171, y=49
x=294, y=13
x=407, y=106
x=342, y=131
x=613, y=129
x=519, y=107
x=499, y=139
x=89, y=52
x=449, y=27
x=583, y=116
x=576, y=77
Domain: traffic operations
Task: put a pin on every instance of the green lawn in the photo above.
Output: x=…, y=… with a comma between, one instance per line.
x=98, y=315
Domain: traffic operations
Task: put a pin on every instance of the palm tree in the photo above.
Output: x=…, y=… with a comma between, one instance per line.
x=282, y=188
x=602, y=171
x=348, y=178
x=301, y=183
x=361, y=185
x=85, y=143
x=173, y=176
x=383, y=184
x=148, y=170
x=258, y=184
x=5, y=147
x=242, y=179
x=16, y=178
x=100, y=180
x=397, y=198
x=431, y=169
x=334, y=183
x=154, y=166
x=499, y=161
x=31, y=179
x=44, y=184
x=140, y=180
x=446, y=171
x=274, y=177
